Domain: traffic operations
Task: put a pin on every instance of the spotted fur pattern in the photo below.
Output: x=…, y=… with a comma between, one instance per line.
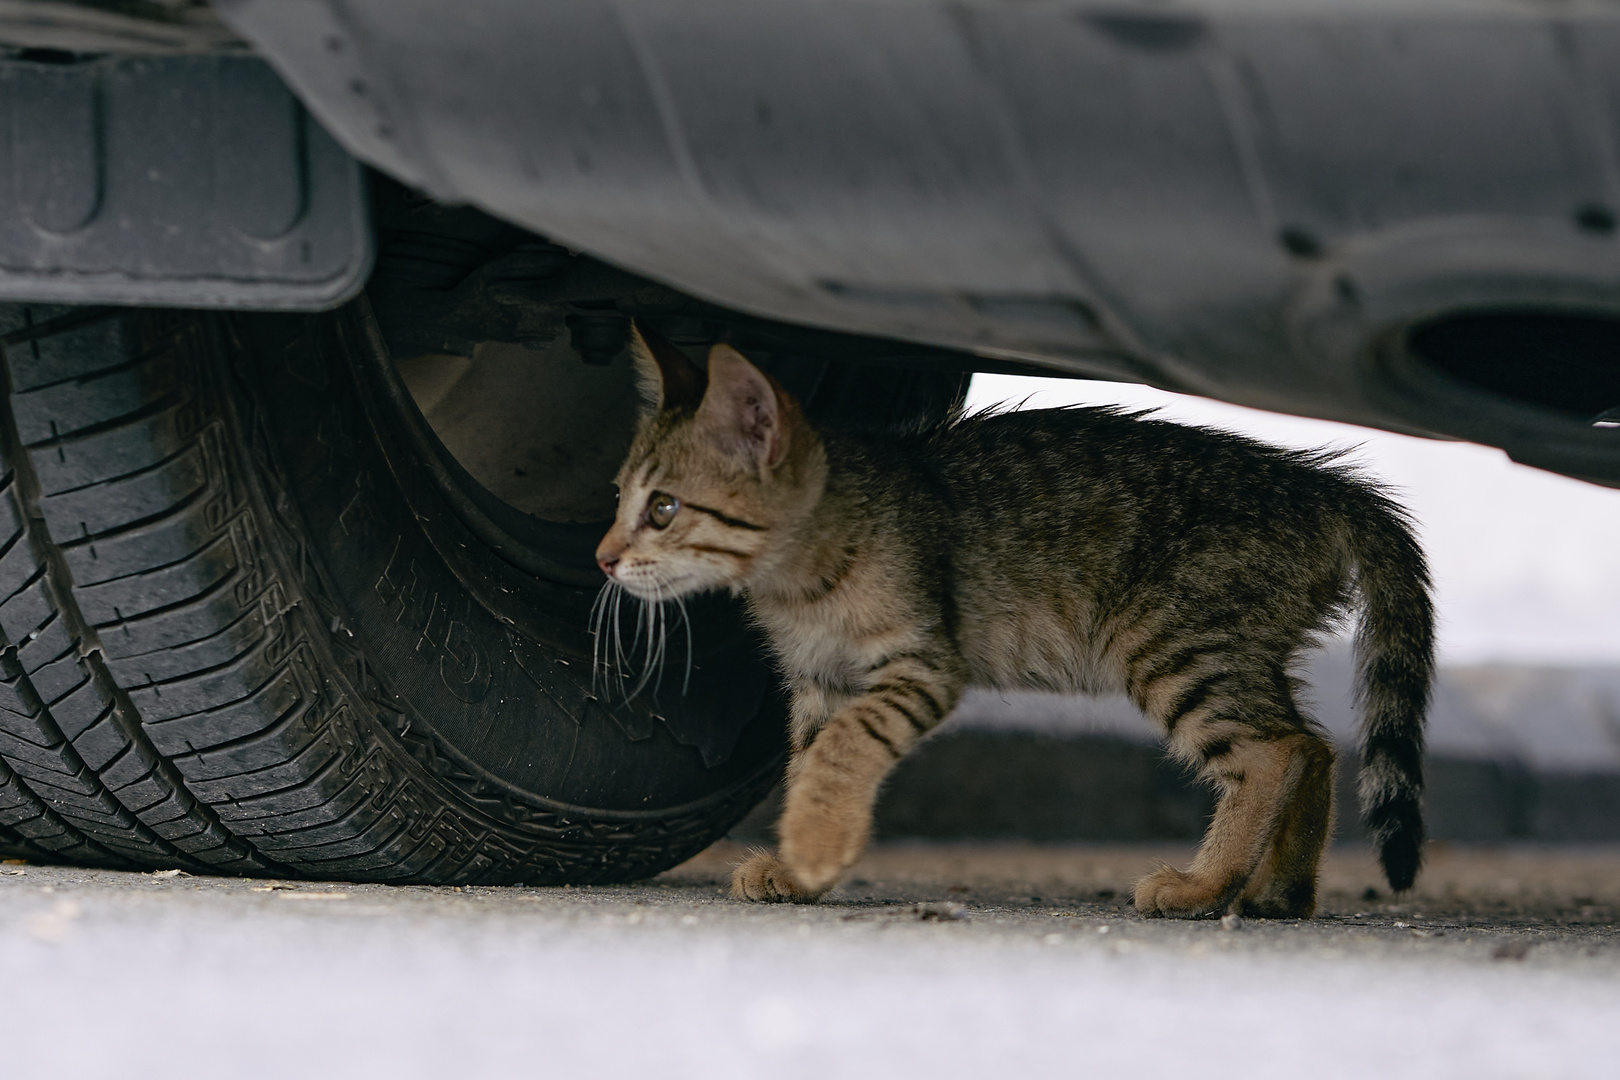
x=1073, y=550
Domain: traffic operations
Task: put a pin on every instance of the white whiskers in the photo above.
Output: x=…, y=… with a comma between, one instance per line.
x=611, y=658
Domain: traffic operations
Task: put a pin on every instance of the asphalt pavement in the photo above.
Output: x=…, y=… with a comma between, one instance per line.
x=932, y=961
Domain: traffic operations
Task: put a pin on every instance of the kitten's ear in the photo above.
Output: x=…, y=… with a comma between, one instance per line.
x=744, y=409
x=665, y=377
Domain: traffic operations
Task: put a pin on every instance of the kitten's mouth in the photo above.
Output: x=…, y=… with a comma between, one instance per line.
x=653, y=590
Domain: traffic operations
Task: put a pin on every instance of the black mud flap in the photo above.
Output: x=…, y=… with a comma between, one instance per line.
x=180, y=181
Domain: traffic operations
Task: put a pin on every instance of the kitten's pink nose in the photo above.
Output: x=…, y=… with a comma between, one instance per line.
x=607, y=556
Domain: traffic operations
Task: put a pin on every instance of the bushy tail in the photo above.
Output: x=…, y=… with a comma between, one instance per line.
x=1394, y=668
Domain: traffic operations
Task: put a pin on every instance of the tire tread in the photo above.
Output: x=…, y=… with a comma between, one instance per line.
x=170, y=693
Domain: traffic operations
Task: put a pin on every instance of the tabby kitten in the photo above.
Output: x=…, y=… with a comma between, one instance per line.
x=1074, y=550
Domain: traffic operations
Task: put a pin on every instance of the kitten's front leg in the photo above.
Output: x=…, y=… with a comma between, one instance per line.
x=827, y=813
x=762, y=876
x=813, y=704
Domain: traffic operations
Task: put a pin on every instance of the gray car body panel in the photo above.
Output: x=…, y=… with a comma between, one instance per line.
x=1236, y=199
x=1250, y=199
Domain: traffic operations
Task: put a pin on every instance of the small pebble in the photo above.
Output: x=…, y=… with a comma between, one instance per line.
x=946, y=912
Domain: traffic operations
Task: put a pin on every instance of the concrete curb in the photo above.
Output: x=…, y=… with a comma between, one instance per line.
x=982, y=785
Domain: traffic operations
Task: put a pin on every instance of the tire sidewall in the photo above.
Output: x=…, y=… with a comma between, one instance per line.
x=612, y=791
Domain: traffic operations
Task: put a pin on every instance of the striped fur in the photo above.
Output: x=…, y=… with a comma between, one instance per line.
x=1075, y=550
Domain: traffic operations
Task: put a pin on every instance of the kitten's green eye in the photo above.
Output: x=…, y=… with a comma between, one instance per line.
x=661, y=509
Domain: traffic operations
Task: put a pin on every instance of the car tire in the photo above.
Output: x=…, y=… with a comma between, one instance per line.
x=249, y=629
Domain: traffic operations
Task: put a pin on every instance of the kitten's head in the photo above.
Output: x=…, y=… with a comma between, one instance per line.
x=723, y=461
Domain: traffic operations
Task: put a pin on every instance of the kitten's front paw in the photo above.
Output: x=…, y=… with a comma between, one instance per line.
x=1176, y=894
x=762, y=876
x=821, y=839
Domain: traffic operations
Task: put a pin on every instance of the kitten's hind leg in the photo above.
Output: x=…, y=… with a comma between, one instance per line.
x=1236, y=720
x=1284, y=885
x=1259, y=777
